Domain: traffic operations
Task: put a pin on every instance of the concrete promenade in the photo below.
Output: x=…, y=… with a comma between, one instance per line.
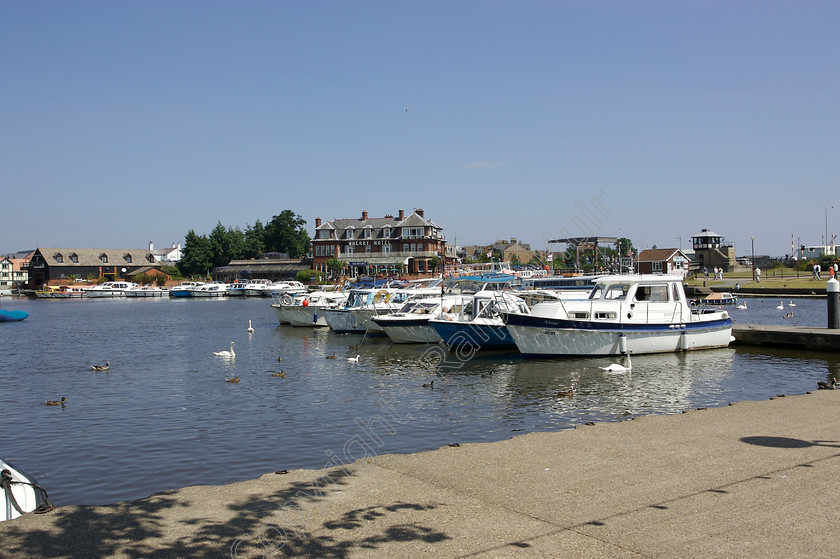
x=754, y=479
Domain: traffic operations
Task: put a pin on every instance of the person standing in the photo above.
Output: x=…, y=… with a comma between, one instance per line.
x=757, y=274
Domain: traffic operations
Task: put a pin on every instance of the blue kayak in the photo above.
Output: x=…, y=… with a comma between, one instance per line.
x=12, y=316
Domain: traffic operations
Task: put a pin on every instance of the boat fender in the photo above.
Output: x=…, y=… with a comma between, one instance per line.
x=622, y=343
x=306, y=302
x=286, y=299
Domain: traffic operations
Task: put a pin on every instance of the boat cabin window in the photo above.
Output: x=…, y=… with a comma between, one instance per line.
x=613, y=292
x=652, y=293
x=675, y=290
x=605, y=315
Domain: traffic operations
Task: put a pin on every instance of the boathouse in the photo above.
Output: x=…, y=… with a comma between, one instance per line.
x=662, y=261
x=51, y=265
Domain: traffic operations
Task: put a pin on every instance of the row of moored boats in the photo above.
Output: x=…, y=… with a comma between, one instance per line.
x=256, y=288
x=597, y=315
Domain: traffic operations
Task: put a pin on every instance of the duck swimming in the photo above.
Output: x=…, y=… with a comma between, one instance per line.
x=820, y=385
x=234, y=379
x=56, y=402
x=104, y=367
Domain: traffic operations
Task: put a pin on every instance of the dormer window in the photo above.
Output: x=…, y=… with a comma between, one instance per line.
x=74, y=258
x=59, y=258
x=103, y=258
x=127, y=258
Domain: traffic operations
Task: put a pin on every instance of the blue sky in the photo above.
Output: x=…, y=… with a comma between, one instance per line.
x=125, y=122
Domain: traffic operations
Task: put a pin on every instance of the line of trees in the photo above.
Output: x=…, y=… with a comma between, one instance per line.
x=284, y=233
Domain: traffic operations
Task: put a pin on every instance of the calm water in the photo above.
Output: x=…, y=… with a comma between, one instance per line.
x=164, y=417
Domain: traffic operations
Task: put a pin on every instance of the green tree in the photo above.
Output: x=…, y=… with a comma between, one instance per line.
x=226, y=244
x=197, y=257
x=285, y=233
x=336, y=266
x=254, y=240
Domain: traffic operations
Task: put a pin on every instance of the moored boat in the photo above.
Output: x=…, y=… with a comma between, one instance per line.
x=12, y=316
x=212, y=289
x=110, y=289
x=184, y=288
x=20, y=493
x=307, y=310
x=624, y=314
x=147, y=291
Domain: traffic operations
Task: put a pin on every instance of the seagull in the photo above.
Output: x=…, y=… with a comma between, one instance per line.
x=789, y=315
x=820, y=385
x=781, y=306
x=56, y=402
x=616, y=368
x=229, y=354
x=791, y=304
x=104, y=367
x=353, y=359
x=743, y=306
x=250, y=328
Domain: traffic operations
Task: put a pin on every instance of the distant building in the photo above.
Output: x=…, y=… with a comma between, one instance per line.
x=710, y=251
x=662, y=261
x=57, y=264
x=272, y=266
x=14, y=271
x=379, y=245
x=171, y=254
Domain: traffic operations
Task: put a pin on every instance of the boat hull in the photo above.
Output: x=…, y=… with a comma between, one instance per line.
x=407, y=330
x=543, y=337
x=299, y=315
x=473, y=334
x=12, y=316
x=342, y=321
x=27, y=494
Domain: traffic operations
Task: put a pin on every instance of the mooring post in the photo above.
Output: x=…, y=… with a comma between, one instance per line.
x=832, y=291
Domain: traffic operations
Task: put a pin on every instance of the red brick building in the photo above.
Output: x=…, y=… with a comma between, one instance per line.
x=379, y=245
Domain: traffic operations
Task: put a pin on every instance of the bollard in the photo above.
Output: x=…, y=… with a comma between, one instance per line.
x=832, y=291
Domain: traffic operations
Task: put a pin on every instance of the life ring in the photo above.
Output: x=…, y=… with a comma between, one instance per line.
x=286, y=299
x=382, y=297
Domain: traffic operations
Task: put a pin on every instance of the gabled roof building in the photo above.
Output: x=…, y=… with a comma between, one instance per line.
x=53, y=264
x=379, y=245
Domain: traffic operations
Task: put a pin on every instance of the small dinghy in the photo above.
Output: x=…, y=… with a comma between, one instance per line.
x=20, y=494
x=12, y=316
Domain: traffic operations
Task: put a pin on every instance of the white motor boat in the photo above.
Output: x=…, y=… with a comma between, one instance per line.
x=306, y=310
x=110, y=289
x=212, y=289
x=477, y=321
x=624, y=314
x=287, y=287
x=184, y=289
x=20, y=493
x=258, y=288
x=236, y=289
x=147, y=291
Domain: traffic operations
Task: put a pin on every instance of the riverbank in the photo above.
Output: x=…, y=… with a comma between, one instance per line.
x=754, y=479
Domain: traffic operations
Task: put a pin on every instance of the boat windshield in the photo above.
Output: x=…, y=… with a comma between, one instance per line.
x=611, y=292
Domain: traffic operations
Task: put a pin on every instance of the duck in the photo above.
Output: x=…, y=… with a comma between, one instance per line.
x=229, y=354
x=331, y=356
x=234, y=379
x=820, y=385
x=429, y=385
x=788, y=315
x=250, y=328
x=280, y=359
x=353, y=359
x=616, y=368
x=566, y=393
x=56, y=402
x=742, y=306
x=281, y=374
x=104, y=367
x=780, y=306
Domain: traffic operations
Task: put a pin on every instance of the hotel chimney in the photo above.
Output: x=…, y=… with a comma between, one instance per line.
x=317, y=222
x=402, y=215
x=364, y=215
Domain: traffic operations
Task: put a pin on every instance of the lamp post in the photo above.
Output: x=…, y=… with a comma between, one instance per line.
x=827, y=241
x=752, y=245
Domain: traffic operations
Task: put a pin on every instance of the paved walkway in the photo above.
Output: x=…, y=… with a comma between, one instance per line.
x=755, y=479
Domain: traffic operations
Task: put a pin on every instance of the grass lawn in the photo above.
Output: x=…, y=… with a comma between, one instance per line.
x=783, y=278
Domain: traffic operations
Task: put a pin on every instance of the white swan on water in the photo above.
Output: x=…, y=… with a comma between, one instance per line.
x=250, y=328
x=743, y=306
x=616, y=368
x=353, y=359
x=230, y=354
x=781, y=306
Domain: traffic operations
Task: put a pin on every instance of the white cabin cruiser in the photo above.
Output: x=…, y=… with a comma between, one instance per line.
x=212, y=289
x=624, y=314
x=110, y=289
x=306, y=310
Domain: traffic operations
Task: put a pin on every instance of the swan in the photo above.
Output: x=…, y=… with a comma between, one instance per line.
x=616, y=368
x=56, y=402
x=353, y=359
x=791, y=304
x=743, y=306
x=780, y=306
x=104, y=367
x=250, y=328
x=230, y=354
